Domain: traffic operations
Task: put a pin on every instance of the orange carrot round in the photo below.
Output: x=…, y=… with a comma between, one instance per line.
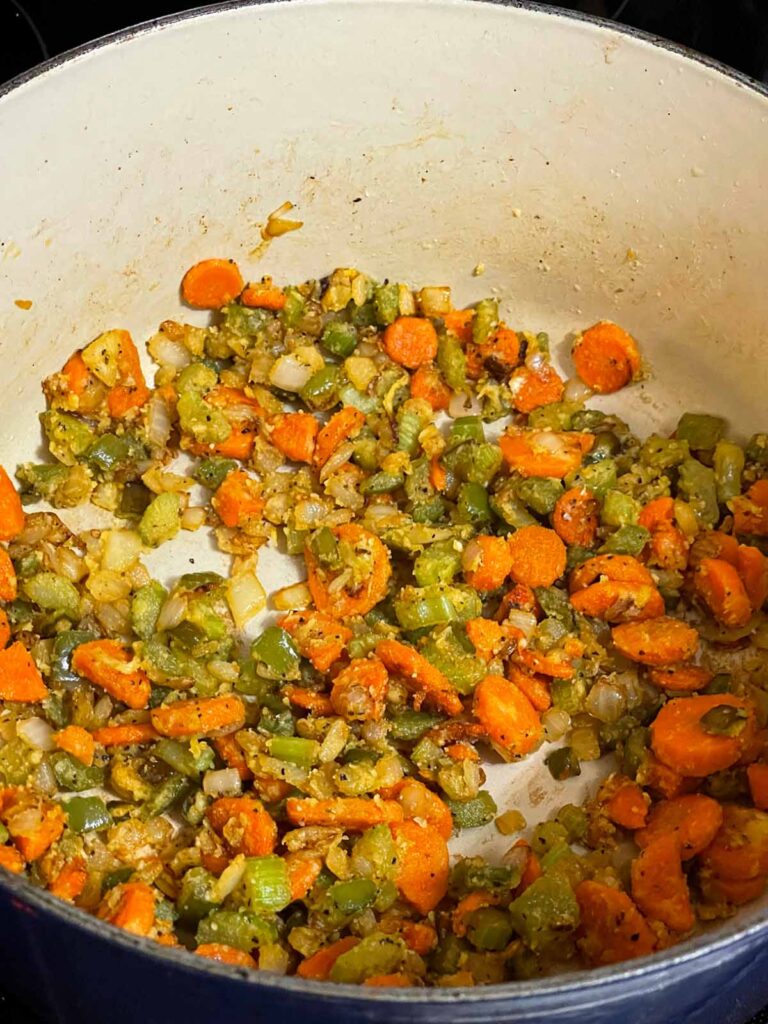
x=130, y=906
x=606, y=357
x=627, y=805
x=427, y=383
x=303, y=871
x=20, y=678
x=5, y=629
x=739, y=851
x=211, y=284
x=752, y=567
x=657, y=641
x=680, y=678
x=508, y=717
x=420, y=676
x=500, y=354
x=204, y=716
x=750, y=510
x=538, y=556
x=757, y=776
x=238, y=499
x=343, y=603
x=576, y=517
x=309, y=700
x=659, y=887
x=612, y=928
x=486, y=561
x=11, y=860
x=70, y=881
x=319, y=637
x=544, y=452
x=693, y=818
x=418, y=801
x=535, y=687
x=615, y=568
x=679, y=739
x=34, y=823
x=225, y=954
x=619, y=602
x=422, y=864
x=411, y=341
x=340, y=427
x=12, y=516
x=532, y=388
x=719, y=585
x=263, y=295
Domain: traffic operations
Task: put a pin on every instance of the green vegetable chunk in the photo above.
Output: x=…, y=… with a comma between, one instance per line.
x=162, y=520
x=87, y=814
x=700, y=430
x=545, y=911
x=266, y=884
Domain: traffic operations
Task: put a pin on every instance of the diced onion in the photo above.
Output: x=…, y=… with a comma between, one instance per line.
x=522, y=620
x=171, y=613
x=342, y=454
x=277, y=224
x=167, y=352
x=232, y=874
x=108, y=587
x=310, y=513
x=576, y=390
x=193, y=517
x=550, y=442
x=224, y=782
x=435, y=300
x=462, y=404
x=405, y=300
x=606, y=701
x=556, y=723
x=291, y=598
x=334, y=742
x=292, y=371
x=245, y=597
x=120, y=549
x=37, y=733
x=360, y=371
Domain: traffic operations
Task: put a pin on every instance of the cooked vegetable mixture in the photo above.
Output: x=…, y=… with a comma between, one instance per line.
x=470, y=593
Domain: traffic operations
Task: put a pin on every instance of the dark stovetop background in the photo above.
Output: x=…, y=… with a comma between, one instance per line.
x=732, y=31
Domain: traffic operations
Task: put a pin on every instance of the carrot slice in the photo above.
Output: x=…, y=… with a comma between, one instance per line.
x=231, y=753
x=497, y=357
x=606, y=357
x=508, y=717
x=389, y=981
x=411, y=341
x=319, y=637
x=204, y=716
x=309, y=700
x=657, y=641
x=340, y=427
x=419, y=802
x=244, y=824
x=752, y=567
x=757, y=776
x=5, y=629
x=680, y=678
x=719, y=585
x=359, y=690
x=694, y=819
x=20, y=678
x=12, y=516
x=303, y=871
x=662, y=780
x=263, y=295
x=728, y=890
x=627, y=805
x=739, y=851
x=242, y=413
x=70, y=881
x=532, y=869
x=612, y=927
x=619, y=602
x=11, y=859
x=211, y=284
x=422, y=864
x=679, y=739
x=33, y=822
x=106, y=663
x=532, y=388
x=486, y=561
x=544, y=452
x=8, y=583
x=659, y=887
x=349, y=812
x=318, y=966
x=76, y=741
x=343, y=603
x=615, y=568
x=437, y=474
x=418, y=936
x=576, y=517
x=126, y=735
x=713, y=544
x=427, y=383
x=130, y=906
x=131, y=391
x=538, y=556
x=225, y=954
x=535, y=687
x=238, y=499
x=420, y=676
x=459, y=323
x=488, y=638
x=750, y=510
x=294, y=435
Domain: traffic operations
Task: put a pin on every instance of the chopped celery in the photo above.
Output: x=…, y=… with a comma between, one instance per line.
x=409, y=726
x=757, y=449
x=506, y=504
x=627, y=540
x=662, y=452
x=340, y=339
x=562, y=764
x=374, y=854
x=600, y=477
x=353, y=896
x=145, y=608
x=476, y=462
x=69, y=437
x=197, y=378
x=412, y=416
x=452, y=362
x=539, y=493
x=112, y=451
x=555, y=416
x=568, y=694
x=485, y=320
x=619, y=509
x=53, y=593
x=165, y=795
x=546, y=910
x=471, y=873
x=206, y=423
x=87, y=814
x=197, y=896
x=438, y=563
x=728, y=464
x=697, y=485
x=606, y=446
x=555, y=604
x=420, y=607
x=295, y=750
x=465, y=428
x=293, y=310
x=700, y=430
x=276, y=652
x=180, y=757
x=473, y=813
x=452, y=654
x=489, y=929
x=162, y=519
x=212, y=472
x=17, y=760
x=472, y=505
x=386, y=302
x=244, y=320
x=266, y=884
x=238, y=928
x=382, y=483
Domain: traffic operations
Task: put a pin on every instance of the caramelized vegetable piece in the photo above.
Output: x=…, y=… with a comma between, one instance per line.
x=318, y=966
x=33, y=822
x=657, y=641
x=205, y=716
x=225, y=954
x=680, y=678
x=110, y=665
x=244, y=824
x=12, y=516
x=508, y=717
x=544, y=452
x=76, y=741
x=694, y=819
x=606, y=357
x=752, y=567
x=750, y=510
x=619, y=602
x=486, y=562
x=627, y=806
x=532, y=388
x=576, y=517
x=757, y=775
x=422, y=864
x=615, y=568
x=682, y=740
x=359, y=690
x=8, y=584
x=612, y=928
x=294, y=434
x=421, y=677
x=419, y=802
x=718, y=583
x=344, y=424
x=659, y=887
x=318, y=637
x=356, y=598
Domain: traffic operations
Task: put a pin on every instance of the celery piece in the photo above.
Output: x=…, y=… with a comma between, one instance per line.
x=438, y=563
x=69, y=437
x=238, y=928
x=489, y=929
x=539, y=493
x=472, y=505
x=340, y=339
x=53, y=593
x=295, y=750
x=599, y=478
x=420, y=607
x=353, y=896
x=619, y=509
x=409, y=726
x=451, y=361
x=663, y=452
x=162, y=519
x=546, y=910
x=212, y=472
x=321, y=390
x=562, y=764
x=266, y=884
x=700, y=430
x=472, y=873
x=197, y=896
x=473, y=813
x=73, y=775
x=386, y=303
x=485, y=321
x=728, y=464
x=145, y=608
x=206, y=423
x=196, y=378
x=477, y=462
x=696, y=484
x=293, y=310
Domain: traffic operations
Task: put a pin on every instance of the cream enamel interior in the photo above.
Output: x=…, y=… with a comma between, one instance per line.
x=591, y=173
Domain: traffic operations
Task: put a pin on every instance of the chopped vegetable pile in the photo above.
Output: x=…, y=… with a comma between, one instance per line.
x=286, y=806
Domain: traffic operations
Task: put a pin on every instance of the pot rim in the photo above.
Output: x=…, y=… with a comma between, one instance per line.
x=509, y=995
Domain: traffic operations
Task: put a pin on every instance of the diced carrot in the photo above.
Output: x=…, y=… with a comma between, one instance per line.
x=615, y=568
x=693, y=818
x=657, y=641
x=204, y=716
x=757, y=775
x=752, y=566
x=535, y=687
x=231, y=753
x=318, y=966
x=11, y=859
x=359, y=690
x=508, y=717
x=668, y=548
x=606, y=357
x=612, y=927
x=467, y=905
x=131, y=391
x=76, y=741
x=8, y=583
x=713, y=544
x=679, y=739
x=576, y=517
x=486, y=562
x=427, y=383
x=211, y=284
x=658, y=512
x=420, y=676
x=126, y=735
x=309, y=700
x=303, y=871
x=617, y=602
x=739, y=851
x=263, y=295
x=437, y=474
x=389, y=981
x=420, y=802
x=20, y=678
x=461, y=752
x=5, y=629
x=661, y=779
x=411, y=341
x=12, y=516
x=238, y=499
x=498, y=356
x=532, y=388
x=349, y=812
x=225, y=954
x=488, y=638
x=519, y=596
x=422, y=864
x=71, y=879
x=419, y=936
x=344, y=424
x=627, y=806
x=538, y=556
x=294, y=434
x=659, y=887
x=34, y=823
x=344, y=603
x=130, y=906
x=729, y=890
x=544, y=452
x=459, y=323
x=680, y=678
x=110, y=665
x=557, y=663
x=244, y=824
x=77, y=374
x=319, y=637
x=719, y=585
x=750, y=510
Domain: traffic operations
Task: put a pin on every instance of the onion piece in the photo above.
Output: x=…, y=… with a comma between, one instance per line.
x=463, y=404
x=223, y=782
x=556, y=723
x=292, y=371
x=292, y=598
x=522, y=620
x=37, y=733
x=245, y=597
x=171, y=613
x=576, y=390
x=167, y=352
